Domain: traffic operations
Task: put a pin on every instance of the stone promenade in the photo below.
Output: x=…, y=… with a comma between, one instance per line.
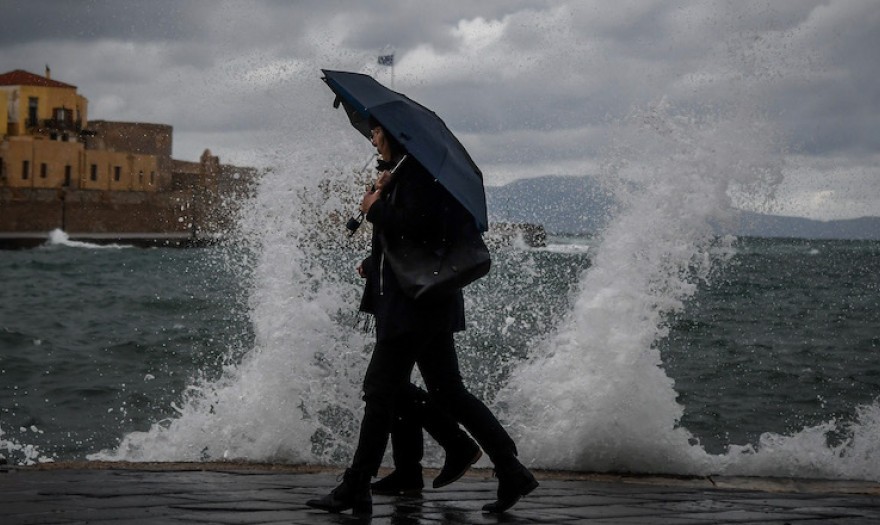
x=262, y=494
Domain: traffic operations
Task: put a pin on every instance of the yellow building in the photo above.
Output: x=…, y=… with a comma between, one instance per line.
x=40, y=105
x=102, y=181
x=46, y=142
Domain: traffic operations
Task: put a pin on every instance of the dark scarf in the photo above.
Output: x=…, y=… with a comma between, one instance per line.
x=382, y=165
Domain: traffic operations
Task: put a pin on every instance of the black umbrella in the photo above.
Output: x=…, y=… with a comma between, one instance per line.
x=423, y=134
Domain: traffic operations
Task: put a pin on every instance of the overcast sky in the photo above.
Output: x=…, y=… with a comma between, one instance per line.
x=530, y=87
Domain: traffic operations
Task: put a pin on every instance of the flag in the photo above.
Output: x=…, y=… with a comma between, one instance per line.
x=386, y=60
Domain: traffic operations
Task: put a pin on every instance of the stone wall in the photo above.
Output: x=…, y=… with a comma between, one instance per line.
x=138, y=138
x=75, y=211
x=128, y=212
x=132, y=137
x=27, y=210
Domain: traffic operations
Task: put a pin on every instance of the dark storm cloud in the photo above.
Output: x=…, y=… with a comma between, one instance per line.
x=838, y=108
x=61, y=20
x=532, y=86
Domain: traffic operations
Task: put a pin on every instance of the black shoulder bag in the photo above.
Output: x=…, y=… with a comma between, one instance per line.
x=423, y=270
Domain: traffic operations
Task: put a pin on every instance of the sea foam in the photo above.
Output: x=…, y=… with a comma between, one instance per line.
x=58, y=237
x=595, y=395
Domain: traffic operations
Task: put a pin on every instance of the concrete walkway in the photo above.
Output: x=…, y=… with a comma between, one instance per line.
x=239, y=493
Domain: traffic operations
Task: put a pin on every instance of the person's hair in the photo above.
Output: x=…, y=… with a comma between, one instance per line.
x=396, y=147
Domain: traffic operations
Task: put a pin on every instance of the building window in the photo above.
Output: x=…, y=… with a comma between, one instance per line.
x=141, y=177
x=25, y=169
x=94, y=174
x=152, y=178
x=63, y=116
x=33, y=105
x=117, y=173
x=67, y=175
x=44, y=170
x=2, y=171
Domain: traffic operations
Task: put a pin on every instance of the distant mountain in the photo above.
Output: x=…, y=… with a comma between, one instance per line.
x=580, y=205
x=560, y=204
x=758, y=225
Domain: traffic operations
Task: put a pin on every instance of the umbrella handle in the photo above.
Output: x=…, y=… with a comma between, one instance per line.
x=355, y=222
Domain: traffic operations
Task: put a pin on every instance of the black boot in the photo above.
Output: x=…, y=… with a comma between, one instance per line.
x=458, y=460
x=403, y=481
x=514, y=482
x=353, y=493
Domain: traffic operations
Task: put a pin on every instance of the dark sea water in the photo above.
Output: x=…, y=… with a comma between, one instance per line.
x=787, y=336
x=98, y=344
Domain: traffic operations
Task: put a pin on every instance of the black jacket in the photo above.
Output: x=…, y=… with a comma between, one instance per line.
x=418, y=207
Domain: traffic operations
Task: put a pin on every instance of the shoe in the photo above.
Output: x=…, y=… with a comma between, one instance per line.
x=401, y=482
x=353, y=493
x=512, y=485
x=457, y=463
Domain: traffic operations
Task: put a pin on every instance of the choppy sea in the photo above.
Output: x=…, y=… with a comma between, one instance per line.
x=770, y=367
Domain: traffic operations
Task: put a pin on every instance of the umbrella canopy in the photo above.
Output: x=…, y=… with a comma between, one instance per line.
x=423, y=134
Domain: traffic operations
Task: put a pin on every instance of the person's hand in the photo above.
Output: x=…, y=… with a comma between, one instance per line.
x=370, y=197
x=384, y=178
x=361, y=272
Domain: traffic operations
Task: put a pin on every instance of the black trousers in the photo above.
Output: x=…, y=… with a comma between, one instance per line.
x=413, y=411
x=388, y=379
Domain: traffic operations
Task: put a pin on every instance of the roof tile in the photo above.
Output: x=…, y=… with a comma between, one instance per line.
x=20, y=77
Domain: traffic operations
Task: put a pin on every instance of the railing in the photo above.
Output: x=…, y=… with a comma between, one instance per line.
x=64, y=125
x=55, y=124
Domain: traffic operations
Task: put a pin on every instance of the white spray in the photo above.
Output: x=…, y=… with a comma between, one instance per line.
x=303, y=374
x=595, y=395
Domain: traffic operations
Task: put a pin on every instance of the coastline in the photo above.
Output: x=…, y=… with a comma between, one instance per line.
x=22, y=240
x=780, y=485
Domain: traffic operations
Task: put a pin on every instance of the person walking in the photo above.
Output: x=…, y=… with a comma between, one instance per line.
x=415, y=411
x=410, y=332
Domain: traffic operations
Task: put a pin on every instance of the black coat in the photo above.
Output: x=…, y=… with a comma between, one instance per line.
x=416, y=206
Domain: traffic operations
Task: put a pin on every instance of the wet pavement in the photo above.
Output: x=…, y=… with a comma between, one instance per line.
x=270, y=494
